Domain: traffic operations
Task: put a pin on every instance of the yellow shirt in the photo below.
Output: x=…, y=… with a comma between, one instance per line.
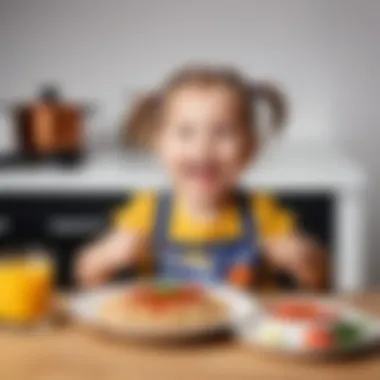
x=271, y=219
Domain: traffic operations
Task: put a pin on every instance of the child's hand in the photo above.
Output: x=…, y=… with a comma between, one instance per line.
x=98, y=261
x=89, y=269
x=300, y=256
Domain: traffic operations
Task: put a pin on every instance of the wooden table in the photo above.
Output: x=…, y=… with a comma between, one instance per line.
x=71, y=353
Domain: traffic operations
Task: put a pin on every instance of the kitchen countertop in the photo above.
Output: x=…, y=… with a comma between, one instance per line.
x=283, y=166
x=75, y=354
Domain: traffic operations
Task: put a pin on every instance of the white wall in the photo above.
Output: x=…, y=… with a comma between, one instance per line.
x=326, y=53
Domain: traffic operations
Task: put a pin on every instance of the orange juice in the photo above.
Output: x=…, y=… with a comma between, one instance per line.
x=25, y=289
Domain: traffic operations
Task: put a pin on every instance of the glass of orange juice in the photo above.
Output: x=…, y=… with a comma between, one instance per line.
x=26, y=288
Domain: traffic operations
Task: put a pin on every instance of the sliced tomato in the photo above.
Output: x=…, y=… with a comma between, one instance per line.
x=304, y=311
x=320, y=339
x=296, y=311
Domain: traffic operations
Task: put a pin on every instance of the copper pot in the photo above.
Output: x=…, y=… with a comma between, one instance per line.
x=50, y=127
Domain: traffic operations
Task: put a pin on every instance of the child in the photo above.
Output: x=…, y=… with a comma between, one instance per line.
x=204, y=131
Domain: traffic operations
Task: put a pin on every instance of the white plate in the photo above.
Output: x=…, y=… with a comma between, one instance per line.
x=85, y=307
x=249, y=333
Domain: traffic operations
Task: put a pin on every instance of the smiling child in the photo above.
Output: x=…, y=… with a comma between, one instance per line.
x=204, y=130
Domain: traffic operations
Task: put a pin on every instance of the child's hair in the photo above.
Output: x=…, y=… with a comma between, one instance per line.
x=142, y=122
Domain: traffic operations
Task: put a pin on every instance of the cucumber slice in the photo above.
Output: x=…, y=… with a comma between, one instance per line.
x=347, y=334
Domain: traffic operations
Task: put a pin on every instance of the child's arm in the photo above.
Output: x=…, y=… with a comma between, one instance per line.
x=123, y=245
x=302, y=257
x=285, y=247
x=116, y=250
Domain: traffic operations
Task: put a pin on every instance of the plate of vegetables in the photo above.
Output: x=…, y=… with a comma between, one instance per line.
x=312, y=327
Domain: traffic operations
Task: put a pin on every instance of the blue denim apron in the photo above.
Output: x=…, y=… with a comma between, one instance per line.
x=203, y=262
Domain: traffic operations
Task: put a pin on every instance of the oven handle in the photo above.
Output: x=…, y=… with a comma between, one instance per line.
x=73, y=226
x=5, y=225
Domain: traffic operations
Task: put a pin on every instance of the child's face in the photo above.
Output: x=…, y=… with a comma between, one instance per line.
x=203, y=143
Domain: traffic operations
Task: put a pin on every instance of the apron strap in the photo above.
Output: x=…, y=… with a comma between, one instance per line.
x=246, y=217
x=250, y=233
x=163, y=215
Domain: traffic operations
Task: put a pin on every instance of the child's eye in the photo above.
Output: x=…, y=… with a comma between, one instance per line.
x=185, y=131
x=224, y=131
